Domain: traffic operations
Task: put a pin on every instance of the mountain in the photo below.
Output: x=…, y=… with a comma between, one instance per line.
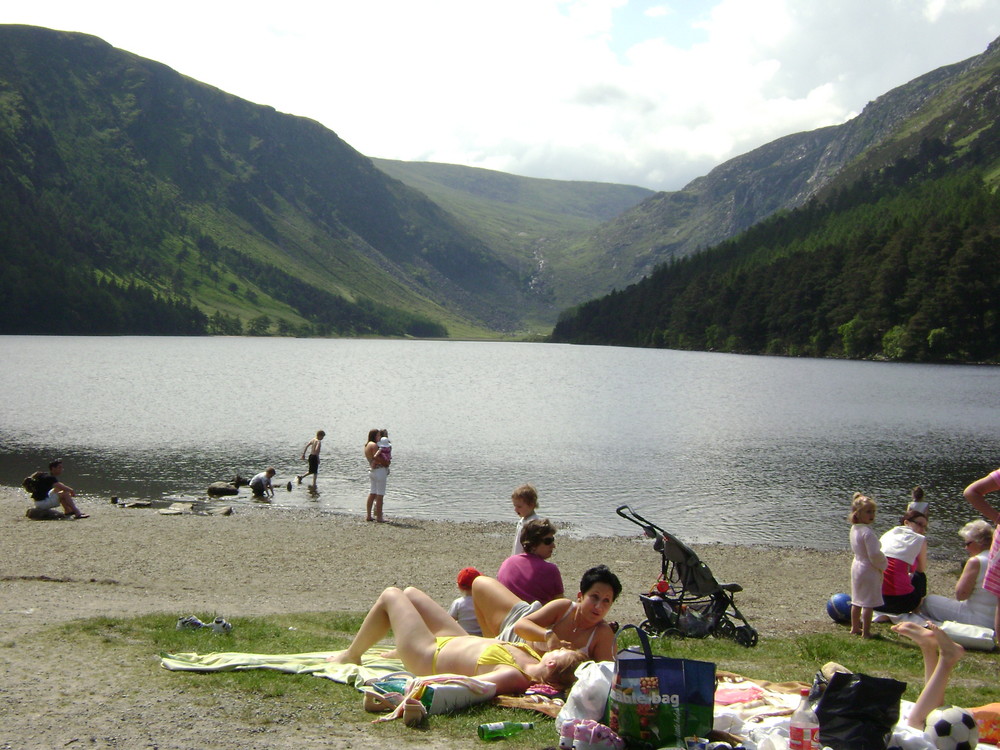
x=136, y=200
x=951, y=104
x=534, y=225
x=890, y=252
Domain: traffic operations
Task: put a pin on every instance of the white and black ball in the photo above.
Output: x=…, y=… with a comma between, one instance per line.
x=952, y=728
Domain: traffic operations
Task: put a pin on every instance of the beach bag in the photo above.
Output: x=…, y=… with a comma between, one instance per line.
x=657, y=701
x=857, y=711
x=588, y=698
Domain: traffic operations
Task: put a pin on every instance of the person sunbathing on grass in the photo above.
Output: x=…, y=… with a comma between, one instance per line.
x=561, y=623
x=941, y=654
x=429, y=641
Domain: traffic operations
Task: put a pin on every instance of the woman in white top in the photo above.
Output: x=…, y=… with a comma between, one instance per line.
x=972, y=604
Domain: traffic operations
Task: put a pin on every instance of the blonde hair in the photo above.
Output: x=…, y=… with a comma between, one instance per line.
x=859, y=503
x=978, y=532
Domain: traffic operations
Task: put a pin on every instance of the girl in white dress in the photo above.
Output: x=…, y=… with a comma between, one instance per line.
x=867, y=568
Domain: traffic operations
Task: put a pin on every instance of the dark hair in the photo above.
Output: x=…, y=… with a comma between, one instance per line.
x=372, y=436
x=534, y=532
x=54, y=463
x=912, y=515
x=917, y=493
x=600, y=574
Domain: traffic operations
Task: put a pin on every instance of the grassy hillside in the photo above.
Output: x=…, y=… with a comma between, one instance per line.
x=125, y=175
x=536, y=226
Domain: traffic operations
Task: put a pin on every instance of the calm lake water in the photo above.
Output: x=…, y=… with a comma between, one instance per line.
x=713, y=447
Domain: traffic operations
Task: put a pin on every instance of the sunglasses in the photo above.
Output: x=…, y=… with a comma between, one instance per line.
x=548, y=540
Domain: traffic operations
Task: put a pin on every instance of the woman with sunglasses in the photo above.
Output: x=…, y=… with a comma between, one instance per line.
x=904, y=583
x=559, y=624
x=972, y=604
x=530, y=575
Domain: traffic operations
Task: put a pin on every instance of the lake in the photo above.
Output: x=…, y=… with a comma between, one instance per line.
x=712, y=447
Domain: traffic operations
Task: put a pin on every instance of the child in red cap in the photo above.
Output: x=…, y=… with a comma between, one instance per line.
x=462, y=608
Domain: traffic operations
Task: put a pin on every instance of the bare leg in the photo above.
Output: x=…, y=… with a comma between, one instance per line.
x=866, y=622
x=368, y=507
x=378, y=508
x=393, y=611
x=66, y=501
x=938, y=648
x=492, y=601
x=437, y=619
x=855, y=620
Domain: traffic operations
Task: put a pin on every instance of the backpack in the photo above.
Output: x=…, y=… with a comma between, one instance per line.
x=29, y=484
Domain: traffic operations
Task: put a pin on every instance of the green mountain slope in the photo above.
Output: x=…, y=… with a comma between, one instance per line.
x=534, y=225
x=120, y=174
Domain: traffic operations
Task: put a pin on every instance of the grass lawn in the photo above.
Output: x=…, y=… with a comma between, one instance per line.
x=264, y=697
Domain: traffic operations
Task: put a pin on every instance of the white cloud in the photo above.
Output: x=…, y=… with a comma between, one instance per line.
x=569, y=89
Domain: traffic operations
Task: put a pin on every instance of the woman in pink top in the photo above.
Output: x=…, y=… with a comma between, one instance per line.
x=530, y=575
x=975, y=494
x=904, y=584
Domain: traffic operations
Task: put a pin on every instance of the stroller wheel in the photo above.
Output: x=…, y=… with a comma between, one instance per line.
x=725, y=629
x=745, y=636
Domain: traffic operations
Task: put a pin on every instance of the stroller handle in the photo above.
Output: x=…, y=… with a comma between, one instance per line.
x=649, y=528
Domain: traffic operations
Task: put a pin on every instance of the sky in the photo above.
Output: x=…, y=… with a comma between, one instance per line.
x=641, y=92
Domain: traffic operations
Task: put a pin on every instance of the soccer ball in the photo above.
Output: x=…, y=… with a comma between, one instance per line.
x=952, y=728
x=839, y=608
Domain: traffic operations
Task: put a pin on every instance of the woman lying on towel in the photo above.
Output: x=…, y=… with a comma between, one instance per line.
x=429, y=641
x=557, y=625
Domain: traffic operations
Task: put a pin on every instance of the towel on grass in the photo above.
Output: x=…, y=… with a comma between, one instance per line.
x=374, y=664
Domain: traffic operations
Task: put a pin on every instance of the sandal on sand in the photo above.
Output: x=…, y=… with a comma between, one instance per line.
x=82, y=515
x=381, y=702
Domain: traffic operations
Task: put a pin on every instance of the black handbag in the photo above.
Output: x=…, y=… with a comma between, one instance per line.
x=857, y=711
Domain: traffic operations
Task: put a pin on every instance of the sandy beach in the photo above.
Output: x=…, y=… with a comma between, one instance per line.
x=262, y=560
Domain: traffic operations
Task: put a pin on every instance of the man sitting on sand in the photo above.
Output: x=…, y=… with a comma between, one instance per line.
x=48, y=492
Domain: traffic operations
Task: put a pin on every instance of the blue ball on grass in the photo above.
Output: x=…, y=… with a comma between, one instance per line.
x=839, y=608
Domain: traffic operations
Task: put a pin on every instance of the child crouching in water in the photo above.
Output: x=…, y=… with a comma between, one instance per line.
x=867, y=568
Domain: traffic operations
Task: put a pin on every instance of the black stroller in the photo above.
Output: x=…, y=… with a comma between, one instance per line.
x=686, y=600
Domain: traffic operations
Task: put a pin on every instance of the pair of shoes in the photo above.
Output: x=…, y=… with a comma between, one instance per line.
x=189, y=622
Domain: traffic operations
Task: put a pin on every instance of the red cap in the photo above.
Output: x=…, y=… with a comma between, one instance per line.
x=466, y=576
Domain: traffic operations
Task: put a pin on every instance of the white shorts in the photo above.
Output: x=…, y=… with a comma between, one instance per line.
x=378, y=475
x=51, y=501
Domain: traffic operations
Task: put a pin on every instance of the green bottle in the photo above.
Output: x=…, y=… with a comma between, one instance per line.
x=497, y=729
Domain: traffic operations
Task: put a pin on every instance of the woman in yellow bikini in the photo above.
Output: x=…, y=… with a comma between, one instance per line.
x=429, y=641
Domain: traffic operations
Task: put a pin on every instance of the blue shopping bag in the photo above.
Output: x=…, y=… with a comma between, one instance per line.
x=657, y=701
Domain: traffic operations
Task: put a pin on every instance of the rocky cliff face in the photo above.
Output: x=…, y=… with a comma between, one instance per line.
x=785, y=173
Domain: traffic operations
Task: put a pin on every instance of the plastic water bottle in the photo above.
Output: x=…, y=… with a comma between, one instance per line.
x=497, y=729
x=803, y=732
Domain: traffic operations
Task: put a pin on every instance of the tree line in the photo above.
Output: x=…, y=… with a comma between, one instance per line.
x=900, y=265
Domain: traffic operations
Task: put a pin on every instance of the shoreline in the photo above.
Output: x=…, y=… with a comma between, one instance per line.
x=263, y=560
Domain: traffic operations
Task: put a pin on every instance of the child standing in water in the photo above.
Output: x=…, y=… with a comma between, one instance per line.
x=867, y=568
